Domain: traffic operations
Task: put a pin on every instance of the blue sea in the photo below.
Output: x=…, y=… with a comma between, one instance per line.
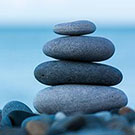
x=21, y=52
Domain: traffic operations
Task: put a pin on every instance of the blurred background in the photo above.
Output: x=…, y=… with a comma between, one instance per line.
x=26, y=25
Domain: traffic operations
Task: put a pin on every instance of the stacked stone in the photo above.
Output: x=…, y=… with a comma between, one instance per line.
x=78, y=83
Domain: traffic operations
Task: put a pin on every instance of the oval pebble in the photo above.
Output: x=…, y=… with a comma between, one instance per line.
x=75, y=28
x=37, y=128
x=79, y=48
x=71, y=99
x=67, y=72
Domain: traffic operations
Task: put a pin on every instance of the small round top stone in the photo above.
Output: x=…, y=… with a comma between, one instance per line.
x=75, y=28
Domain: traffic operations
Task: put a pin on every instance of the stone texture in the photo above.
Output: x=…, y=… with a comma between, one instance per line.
x=79, y=48
x=75, y=28
x=67, y=72
x=78, y=98
x=14, y=106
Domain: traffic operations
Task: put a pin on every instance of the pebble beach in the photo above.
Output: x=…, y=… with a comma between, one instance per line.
x=82, y=97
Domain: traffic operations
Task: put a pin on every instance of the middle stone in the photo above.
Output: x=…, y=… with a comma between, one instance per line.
x=68, y=72
x=80, y=48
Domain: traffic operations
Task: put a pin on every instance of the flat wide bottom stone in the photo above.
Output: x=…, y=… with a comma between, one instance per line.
x=79, y=98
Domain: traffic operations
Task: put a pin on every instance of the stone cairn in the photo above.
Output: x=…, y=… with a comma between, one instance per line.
x=78, y=84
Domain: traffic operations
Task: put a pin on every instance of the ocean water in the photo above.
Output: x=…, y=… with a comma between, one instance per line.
x=21, y=52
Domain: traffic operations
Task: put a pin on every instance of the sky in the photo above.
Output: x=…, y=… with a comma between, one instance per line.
x=37, y=12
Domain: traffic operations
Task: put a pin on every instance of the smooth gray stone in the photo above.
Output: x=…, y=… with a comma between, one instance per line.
x=71, y=99
x=68, y=72
x=75, y=28
x=80, y=48
x=14, y=106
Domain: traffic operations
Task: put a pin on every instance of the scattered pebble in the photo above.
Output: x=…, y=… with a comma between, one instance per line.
x=44, y=118
x=67, y=124
x=37, y=128
x=60, y=116
x=100, y=123
x=125, y=110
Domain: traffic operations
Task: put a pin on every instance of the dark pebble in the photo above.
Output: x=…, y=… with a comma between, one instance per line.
x=17, y=117
x=67, y=72
x=117, y=122
x=68, y=124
